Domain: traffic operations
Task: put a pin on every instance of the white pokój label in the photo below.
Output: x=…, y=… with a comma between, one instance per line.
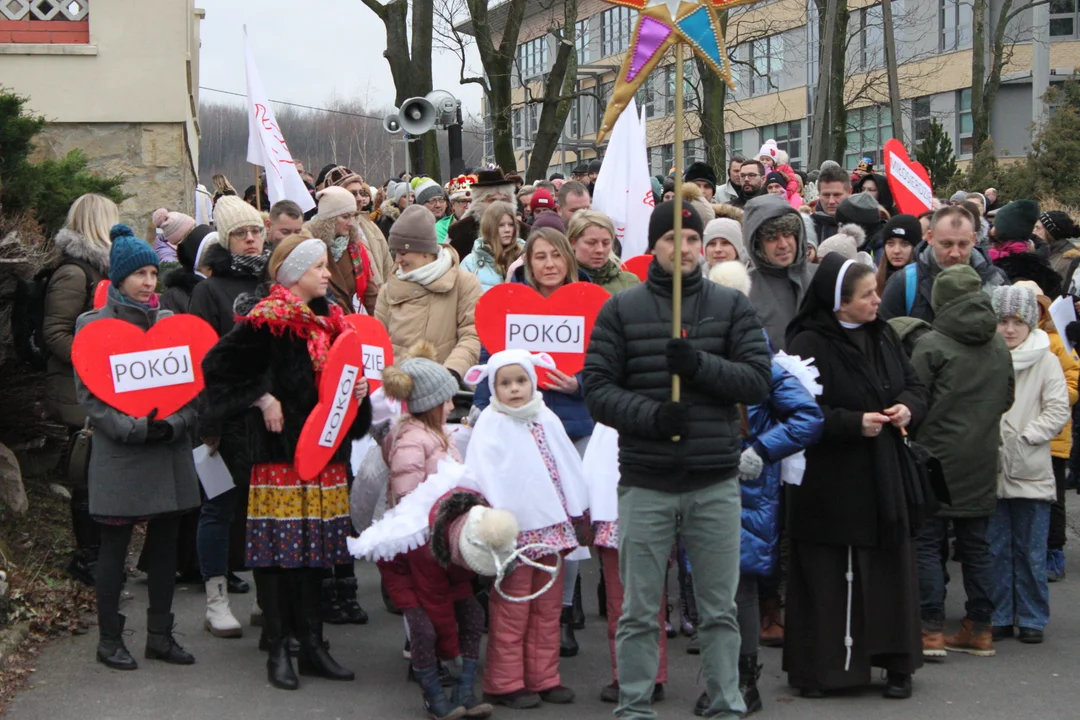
x=546, y=333
x=150, y=369
x=332, y=427
x=374, y=361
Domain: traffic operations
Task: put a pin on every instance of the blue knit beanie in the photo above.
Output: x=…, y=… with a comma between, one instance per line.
x=128, y=253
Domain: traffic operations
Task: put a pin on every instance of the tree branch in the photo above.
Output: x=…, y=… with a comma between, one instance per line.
x=377, y=7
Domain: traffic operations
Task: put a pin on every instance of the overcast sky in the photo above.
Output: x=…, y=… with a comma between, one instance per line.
x=309, y=51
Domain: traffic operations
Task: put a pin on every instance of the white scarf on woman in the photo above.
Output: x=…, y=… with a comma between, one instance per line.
x=1031, y=350
x=431, y=272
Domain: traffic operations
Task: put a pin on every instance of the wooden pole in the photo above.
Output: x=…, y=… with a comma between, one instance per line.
x=890, y=69
x=824, y=83
x=676, y=287
x=258, y=189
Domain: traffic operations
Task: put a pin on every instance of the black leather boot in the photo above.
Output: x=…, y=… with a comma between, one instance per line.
x=578, y=607
x=160, y=643
x=749, y=672
x=83, y=565
x=330, y=606
x=568, y=646
x=314, y=659
x=346, y=597
x=276, y=600
x=111, y=650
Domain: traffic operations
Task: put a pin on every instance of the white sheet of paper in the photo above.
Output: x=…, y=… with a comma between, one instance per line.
x=213, y=474
x=1062, y=312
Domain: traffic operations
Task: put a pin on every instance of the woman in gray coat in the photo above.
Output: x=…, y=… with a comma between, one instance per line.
x=141, y=469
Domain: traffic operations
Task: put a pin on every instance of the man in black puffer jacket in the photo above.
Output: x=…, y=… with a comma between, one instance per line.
x=722, y=360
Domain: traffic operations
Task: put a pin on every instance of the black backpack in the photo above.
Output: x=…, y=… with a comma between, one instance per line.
x=28, y=318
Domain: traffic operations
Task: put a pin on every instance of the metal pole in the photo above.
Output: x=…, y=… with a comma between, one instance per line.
x=407, y=173
x=676, y=288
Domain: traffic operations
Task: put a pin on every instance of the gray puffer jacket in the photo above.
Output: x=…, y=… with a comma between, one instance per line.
x=129, y=477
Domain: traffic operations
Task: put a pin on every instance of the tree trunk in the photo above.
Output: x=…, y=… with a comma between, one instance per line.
x=837, y=123
x=980, y=108
x=498, y=63
x=820, y=140
x=558, y=97
x=713, y=100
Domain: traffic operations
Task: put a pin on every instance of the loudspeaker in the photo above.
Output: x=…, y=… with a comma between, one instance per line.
x=417, y=116
x=392, y=122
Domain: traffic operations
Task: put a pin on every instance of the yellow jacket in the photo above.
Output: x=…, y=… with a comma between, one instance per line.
x=1061, y=446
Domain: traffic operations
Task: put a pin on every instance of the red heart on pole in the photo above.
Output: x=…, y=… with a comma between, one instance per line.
x=330, y=419
x=513, y=315
x=639, y=265
x=908, y=180
x=135, y=371
x=375, y=345
x=101, y=294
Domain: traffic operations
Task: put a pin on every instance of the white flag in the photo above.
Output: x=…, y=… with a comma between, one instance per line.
x=266, y=144
x=623, y=190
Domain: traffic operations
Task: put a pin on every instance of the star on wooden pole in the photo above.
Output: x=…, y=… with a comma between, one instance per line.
x=661, y=24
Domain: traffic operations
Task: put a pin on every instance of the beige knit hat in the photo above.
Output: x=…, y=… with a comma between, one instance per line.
x=334, y=201
x=232, y=213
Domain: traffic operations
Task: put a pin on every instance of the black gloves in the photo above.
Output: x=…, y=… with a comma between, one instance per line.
x=673, y=419
x=682, y=358
x=1072, y=331
x=157, y=431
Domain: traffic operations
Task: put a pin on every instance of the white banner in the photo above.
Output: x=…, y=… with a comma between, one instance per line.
x=266, y=144
x=148, y=369
x=342, y=397
x=623, y=190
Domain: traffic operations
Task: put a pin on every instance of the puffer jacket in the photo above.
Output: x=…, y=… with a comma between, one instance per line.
x=627, y=382
x=481, y=263
x=66, y=298
x=412, y=451
x=213, y=298
x=894, y=299
x=1061, y=446
x=442, y=312
x=789, y=421
x=179, y=285
x=1039, y=413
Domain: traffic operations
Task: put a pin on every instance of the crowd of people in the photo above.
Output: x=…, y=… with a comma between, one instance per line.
x=824, y=332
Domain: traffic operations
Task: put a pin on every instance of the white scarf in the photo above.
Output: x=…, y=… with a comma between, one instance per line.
x=601, y=465
x=506, y=461
x=526, y=412
x=431, y=272
x=1031, y=350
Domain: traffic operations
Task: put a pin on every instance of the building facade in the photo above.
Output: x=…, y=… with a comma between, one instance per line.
x=117, y=79
x=773, y=46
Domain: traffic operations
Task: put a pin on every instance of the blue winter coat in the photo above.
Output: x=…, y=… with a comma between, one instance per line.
x=789, y=421
x=481, y=263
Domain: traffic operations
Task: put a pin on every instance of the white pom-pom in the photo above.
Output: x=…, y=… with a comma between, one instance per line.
x=731, y=274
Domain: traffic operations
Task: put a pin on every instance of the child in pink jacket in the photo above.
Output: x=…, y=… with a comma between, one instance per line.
x=773, y=158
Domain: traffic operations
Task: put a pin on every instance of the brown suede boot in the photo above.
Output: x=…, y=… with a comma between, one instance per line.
x=974, y=639
x=933, y=644
x=772, y=624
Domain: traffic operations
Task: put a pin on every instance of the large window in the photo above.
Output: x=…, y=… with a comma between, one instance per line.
x=734, y=144
x=964, y=122
x=920, y=118
x=661, y=158
x=871, y=31
x=693, y=151
x=616, y=27
x=581, y=41
x=788, y=137
x=1063, y=20
x=766, y=62
x=867, y=130
x=955, y=24
x=574, y=120
x=533, y=57
x=519, y=128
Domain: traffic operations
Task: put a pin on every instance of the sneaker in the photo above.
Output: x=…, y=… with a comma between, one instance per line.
x=518, y=700
x=1030, y=636
x=610, y=693
x=694, y=647
x=933, y=645
x=974, y=639
x=558, y=695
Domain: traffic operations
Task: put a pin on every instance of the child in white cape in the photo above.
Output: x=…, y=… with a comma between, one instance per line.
x=525, y=463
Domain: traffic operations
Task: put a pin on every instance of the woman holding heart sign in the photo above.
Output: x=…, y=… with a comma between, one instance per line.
x=141, y=469
x=295, y=527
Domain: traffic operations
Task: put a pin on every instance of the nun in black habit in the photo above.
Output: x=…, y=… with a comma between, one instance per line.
x=852, y=593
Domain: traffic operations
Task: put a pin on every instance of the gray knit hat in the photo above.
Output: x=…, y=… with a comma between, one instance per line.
x=414, y=231
x=1019, y=302
x=419, y=380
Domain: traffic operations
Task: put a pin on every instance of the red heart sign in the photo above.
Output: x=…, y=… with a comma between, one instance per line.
x=375, y=345
x=135, y=371
x=908, y=180
x=101, y=294
x=329, y=421
x=639, y=265
x=513, y=315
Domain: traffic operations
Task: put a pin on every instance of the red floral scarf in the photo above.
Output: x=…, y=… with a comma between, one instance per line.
x=282, y=311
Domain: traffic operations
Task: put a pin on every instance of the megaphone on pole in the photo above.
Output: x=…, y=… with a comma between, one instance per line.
x=417, y=115
x=391, y=122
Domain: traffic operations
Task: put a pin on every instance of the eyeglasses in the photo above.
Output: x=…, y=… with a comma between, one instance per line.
x=244, y=232
x=749, y=176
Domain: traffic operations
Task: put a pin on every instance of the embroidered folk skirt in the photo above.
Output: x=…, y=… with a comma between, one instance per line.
x=294, y=523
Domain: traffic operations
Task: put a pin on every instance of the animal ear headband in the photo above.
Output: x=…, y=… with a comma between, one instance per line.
x=529, y=361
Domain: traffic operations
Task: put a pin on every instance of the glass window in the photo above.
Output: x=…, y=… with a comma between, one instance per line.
x=604, y=92
x=966, y=124
x=574, y=126
x=581, y=41
x=920, y=118
x=766, y=63
x=519, y=131
x=734, y=143
x=693, y=151
x=955, y=25
x=616, y=27
x=533, y=57
x=867, y=130
x=871, y=38
x=1063, y=18
x=661, y=158
x=788, y=136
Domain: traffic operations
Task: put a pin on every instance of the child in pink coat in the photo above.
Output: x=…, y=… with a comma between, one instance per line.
x=773, y=158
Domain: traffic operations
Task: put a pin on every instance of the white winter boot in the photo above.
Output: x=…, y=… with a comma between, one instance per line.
x=219, y=619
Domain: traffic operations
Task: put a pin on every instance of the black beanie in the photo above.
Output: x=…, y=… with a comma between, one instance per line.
x=906, y=227
x=775, y=177
x=189, y=246
x=1016, y=220
x=662, y=221
x=1059, y=225
x=700, y=171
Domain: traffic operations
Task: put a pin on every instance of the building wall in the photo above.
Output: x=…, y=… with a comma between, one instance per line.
x=125, y=92
x=935, y=68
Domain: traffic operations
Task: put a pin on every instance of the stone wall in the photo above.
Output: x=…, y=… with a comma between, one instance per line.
x=153, y=157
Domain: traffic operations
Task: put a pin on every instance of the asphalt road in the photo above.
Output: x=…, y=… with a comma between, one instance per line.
x=229, y=678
